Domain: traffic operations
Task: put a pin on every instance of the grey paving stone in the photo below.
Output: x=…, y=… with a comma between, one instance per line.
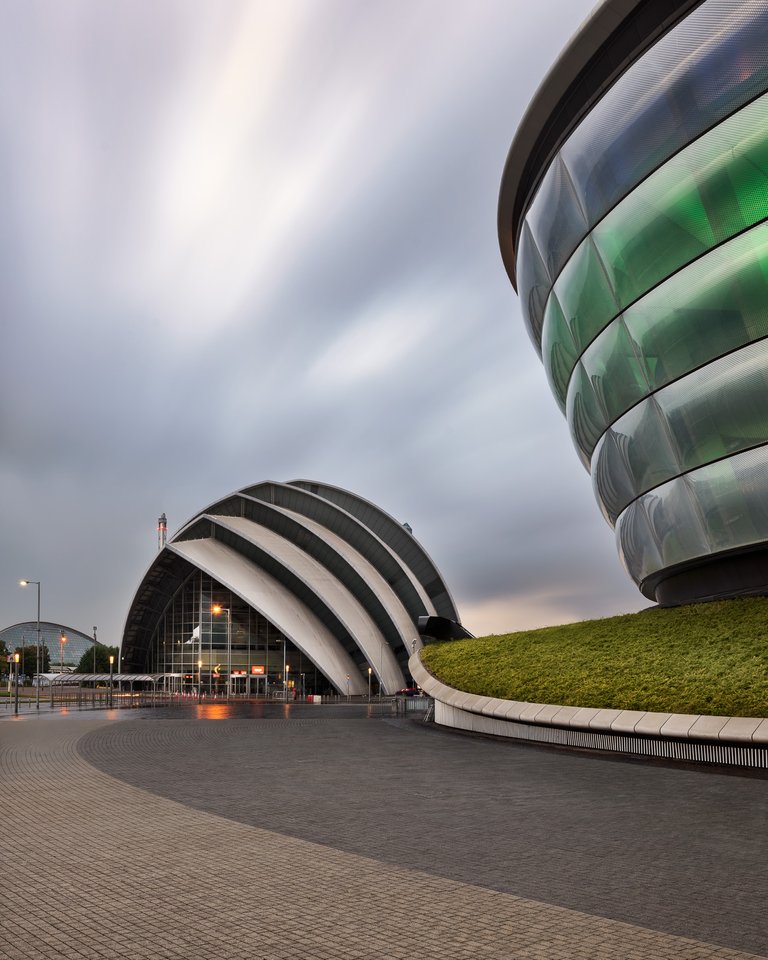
x=377, y=838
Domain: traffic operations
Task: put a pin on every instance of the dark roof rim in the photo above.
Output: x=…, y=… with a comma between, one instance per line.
x=612, y=37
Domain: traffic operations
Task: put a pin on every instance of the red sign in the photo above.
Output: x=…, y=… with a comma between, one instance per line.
x=257, y=671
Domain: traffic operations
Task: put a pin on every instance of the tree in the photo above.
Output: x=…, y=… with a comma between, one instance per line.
x=103, y=654
x=28, y=659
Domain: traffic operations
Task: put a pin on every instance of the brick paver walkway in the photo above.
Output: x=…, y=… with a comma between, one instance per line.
x=95, y=866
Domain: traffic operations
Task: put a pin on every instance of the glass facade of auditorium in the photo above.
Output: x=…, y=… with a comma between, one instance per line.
x=642, y=268
x=241, y=651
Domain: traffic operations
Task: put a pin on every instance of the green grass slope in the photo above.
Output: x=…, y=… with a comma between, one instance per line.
x=709, y=658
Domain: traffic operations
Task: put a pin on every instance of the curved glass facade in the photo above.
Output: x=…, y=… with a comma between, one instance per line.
x=234, y=650
x=65, y=644
x=642, y=267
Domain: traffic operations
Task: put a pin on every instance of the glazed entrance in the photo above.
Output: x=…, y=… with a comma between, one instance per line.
x=210, y=642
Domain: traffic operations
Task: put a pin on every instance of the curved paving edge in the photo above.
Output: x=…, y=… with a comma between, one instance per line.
x=736, y=740
x=150, y=874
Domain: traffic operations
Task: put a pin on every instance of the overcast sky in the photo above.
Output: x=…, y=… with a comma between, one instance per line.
x=244, y=241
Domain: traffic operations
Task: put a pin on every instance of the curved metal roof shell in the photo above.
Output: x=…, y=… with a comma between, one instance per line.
x=344, y=581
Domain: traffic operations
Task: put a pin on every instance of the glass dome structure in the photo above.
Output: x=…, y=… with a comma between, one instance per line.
x=68, y=652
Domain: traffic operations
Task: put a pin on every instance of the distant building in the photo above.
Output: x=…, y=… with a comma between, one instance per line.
x=296, y=586
x=25, y=634
x=633, y=222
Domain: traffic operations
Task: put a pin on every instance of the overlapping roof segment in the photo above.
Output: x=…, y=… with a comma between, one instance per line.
x=344, y=581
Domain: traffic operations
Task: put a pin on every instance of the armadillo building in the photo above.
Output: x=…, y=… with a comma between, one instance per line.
x=285, y=586
x=633, y=224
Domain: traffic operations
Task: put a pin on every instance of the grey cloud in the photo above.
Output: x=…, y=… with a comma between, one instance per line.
x=152, y=365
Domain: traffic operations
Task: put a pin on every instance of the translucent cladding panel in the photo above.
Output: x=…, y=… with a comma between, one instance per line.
x=709, y=192
x=558, y=351
x=719, y=409
x=555, y=218
x=615, y=372
x=637, y=548
x=733, y=499
x=611, y=482
x=533, y=285
x=715, y=305
x=585, y=295
x=643, y=441
x=712, y=62
x=674, y=522
x=586, y=418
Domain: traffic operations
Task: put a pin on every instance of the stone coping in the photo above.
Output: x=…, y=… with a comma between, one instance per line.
x=678, y=726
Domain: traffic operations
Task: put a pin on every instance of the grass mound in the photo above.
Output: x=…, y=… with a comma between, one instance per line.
x=709, y=658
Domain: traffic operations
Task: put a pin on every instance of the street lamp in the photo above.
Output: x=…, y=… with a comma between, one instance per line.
x=62, y=641
x=285, y=681
x=217, y=609
x=94, y=653
x=199, y=680
x=26, y=583
x=369, y=684
x=16, y=664
x=111, y=664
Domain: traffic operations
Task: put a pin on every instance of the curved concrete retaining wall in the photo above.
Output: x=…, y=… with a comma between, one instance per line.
x=742, y=741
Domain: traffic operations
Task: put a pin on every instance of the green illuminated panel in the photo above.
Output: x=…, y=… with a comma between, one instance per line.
x=666, y=526
x=612, y=485
x=614, y=371
x=643, y=441
x=711, y=307
x=721, y=409
x=586, y=418
x=558, y=351
x=585, y=297
x=711, y=414
x=706, y=194
x=730, y=496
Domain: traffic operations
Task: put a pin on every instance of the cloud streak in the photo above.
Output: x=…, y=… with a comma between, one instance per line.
x=257, y=240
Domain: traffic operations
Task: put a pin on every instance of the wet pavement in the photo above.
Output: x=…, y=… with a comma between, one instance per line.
x=271, y=830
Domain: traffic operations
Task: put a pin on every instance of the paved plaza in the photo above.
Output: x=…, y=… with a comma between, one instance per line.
x=272, y=831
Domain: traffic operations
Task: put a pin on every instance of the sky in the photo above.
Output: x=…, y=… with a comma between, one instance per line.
x=247, y=241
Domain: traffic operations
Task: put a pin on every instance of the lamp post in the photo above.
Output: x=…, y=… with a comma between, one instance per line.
x=16, y=698
x=26, y=583
x=111, y=664
x=284, y=686
x=216, y=609
x=285, y=681
x=369, y=684
x=94, y=652
x=62, y=641
x=199, y=680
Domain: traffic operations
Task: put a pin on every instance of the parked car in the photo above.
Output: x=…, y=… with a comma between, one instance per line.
x=409, y=692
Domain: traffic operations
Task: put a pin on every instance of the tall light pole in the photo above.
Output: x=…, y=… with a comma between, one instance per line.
x=285, y=689
x=16, y=665
x=26, y=583
x=216, y=609
x=111, y=664
x=199, y=680
x=62, y=641
x=370, y=671
x=285, y=681
x=94, y=653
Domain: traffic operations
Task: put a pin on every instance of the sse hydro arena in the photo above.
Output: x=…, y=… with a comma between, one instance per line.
x=632, y=222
